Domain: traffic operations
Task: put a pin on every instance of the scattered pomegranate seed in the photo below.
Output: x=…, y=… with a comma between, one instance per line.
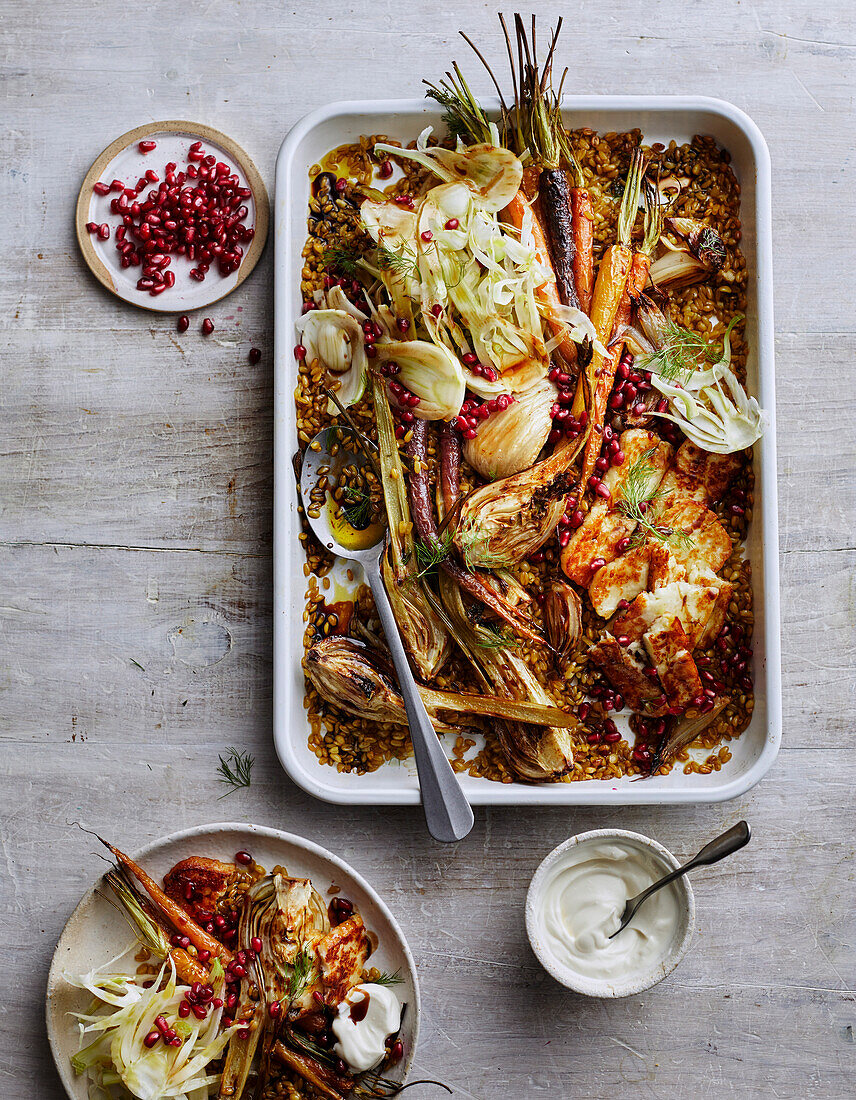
x=92, y=227
x=385, y=169
x=452, y=223
x=183, y=323
x=275, y=1008
x=103, y=232
x=101, y=188
x=427, y=235
x=436, y=309
x=151, y=1039
x=256, y=944
x=147, y=146
x=244, y=857
x=255, y=355
x=207, y=326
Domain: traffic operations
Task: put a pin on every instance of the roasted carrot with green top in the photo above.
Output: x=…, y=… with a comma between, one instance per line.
x=608, y=291
x=170, y=909
x=634, y=286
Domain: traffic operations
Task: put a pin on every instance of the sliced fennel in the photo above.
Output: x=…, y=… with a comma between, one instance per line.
x=715, y=418
x=114, y=1050
x=491, y=173
x=431, y=372
x=335, y=338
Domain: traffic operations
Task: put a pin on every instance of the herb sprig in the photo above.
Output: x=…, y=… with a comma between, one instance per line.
x=235, y=770
x=639, y=490
x=682, y=354
x=388, y=979
x=429, y=556
x=301, y=971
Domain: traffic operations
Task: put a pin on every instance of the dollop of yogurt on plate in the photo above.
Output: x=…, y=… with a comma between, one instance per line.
x=365, y=1019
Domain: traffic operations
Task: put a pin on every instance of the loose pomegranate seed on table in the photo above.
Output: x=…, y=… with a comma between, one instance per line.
x=207, y=326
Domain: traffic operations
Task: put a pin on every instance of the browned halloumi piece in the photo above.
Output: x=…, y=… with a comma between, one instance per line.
x=343, y=953
x=625, y=671
x=676, y=486
x=647, y=608
x=662, y=567
x=598, y=537
x=708, y=543
x=205, y=880
x=669, y=648
x=635, y=443
x=622, y=579
x=712, y=472
x=716, y=618
x=690, y=604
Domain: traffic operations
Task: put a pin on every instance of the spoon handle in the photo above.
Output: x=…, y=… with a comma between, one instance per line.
x=447, y=813
x=732, y=840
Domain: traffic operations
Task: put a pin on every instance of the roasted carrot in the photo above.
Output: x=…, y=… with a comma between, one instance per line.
x=582, y=217
x=634, y=286
x=171, y=910
x=548, y=292
x=609, y=290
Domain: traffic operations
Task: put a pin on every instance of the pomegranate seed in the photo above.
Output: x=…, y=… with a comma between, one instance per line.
x=426, y=235
x=275, y=1008
x=117, y=185
x=396, y=1052
x=161, y=1024
x=101, y=188
x=151, y=1039
x=92, y=227
x=147, y=146
x=452, y=223
x=436, y=309
x=184, y=1010
x=244, y=857
x=385, y=169
x=255, y=355
x=200, y=1012
x=256, y=944
x=103, y=232
x=207, y=326
x=183, y=323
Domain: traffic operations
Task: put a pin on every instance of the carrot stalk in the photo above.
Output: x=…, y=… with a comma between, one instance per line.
x=170, y=909
x=582, y=217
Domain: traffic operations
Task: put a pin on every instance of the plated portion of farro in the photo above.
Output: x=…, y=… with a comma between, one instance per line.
x=536, y=337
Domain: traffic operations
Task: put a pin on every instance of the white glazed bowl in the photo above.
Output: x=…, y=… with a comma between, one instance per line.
x=592, y=987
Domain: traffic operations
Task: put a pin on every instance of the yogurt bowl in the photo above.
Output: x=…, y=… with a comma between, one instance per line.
x=575, y=902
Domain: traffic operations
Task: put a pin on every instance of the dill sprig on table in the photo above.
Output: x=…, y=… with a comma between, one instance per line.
x=235, y=770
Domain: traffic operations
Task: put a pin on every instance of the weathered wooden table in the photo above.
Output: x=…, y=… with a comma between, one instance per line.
x=135, y=519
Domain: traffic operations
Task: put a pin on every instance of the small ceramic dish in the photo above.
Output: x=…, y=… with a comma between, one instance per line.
x=96, y=931
x=123, y=161
x=601, y=987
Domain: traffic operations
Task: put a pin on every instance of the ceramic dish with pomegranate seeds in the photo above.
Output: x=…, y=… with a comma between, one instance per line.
x=549, y=357
x=243, y=978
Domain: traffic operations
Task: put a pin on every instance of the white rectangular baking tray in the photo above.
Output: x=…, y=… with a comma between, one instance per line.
x=661, y=118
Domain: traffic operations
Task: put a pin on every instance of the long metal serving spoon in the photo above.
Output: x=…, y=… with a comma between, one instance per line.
x=447, y=812
x=732, y=840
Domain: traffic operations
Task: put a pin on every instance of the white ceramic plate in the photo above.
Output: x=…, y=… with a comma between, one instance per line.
x=661, y=118
x=122, y=160
x=96, y=931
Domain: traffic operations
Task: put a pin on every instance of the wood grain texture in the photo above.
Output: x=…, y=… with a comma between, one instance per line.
x=135, y=518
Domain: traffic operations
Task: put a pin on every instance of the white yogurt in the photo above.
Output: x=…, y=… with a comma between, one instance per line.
x=581, y=904
x=362, y=1029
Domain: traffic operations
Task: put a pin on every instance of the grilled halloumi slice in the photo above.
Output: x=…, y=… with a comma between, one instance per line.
x=623, y=666
x=622, y=579
x=708, y=544
x=635, y=443
x=598, y=537
x=712, y=472
x=669, y=649
x=343, y=953
x=605, y=525
x=691, y=604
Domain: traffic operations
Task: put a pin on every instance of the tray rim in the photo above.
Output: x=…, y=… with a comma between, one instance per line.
x=600, y=793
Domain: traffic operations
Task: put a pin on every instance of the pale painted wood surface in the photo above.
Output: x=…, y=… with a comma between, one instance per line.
x=135, y=500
